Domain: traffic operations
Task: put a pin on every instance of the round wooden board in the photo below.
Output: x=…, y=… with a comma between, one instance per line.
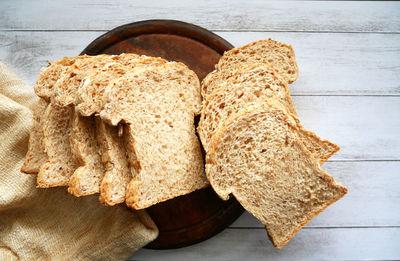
x=195, y=217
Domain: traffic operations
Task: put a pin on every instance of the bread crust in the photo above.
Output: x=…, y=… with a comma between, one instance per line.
x=36, y=155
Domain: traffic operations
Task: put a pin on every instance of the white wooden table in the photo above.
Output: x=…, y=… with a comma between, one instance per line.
x=348, y=91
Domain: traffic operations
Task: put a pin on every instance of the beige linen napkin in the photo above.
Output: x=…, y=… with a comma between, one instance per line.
x=50, y=224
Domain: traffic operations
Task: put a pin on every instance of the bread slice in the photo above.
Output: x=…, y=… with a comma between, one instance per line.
x=59, y=164
x=158, y=104
x=36, y=155
x=44, y=86
x=91, y=91
x=256, y=83
x=87, y=177
x=114, y=157
x=259, y=159
x=279, y=56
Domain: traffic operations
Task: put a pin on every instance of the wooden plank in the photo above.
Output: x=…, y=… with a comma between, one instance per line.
x=254, y=15
x=366, y=128
x=308, y=244
x=373, y=198
x=344, y=64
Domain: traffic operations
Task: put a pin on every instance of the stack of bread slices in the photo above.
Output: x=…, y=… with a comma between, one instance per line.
x=121, y=126
x=256, y=147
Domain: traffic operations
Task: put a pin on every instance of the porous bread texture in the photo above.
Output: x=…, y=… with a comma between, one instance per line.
x=158, y=104
x=59, y=164
x=258, y=158
x=36, y=155
x=254, y=84
x=48, y=76
x=117, y=172
x=117, y=101
x=90, y=94
x=66, y=88
x=87, y=177
x=279, y=56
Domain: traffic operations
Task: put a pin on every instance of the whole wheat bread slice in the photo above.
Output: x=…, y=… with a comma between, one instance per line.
x=279, y=56
x=256, y=83
x=114, y=157
x=158, y=104
x=259, y=159
x=59, y=164
x=36, y=155
x=87, y=178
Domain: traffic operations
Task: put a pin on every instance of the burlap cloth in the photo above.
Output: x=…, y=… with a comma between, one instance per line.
x=50, y=224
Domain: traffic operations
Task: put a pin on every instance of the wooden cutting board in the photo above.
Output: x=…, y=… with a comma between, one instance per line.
x=197, y=216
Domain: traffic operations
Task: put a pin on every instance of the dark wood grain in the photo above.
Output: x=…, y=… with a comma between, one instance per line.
x=195, y=217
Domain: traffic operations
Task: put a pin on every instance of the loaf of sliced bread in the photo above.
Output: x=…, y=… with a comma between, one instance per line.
x=255, y=83
x=59, y=164
x=87, y=177
x=117, y=172
x=279, y=56
x=158, y=104
x=259, y=158
x=36, y=155
x=44, y=86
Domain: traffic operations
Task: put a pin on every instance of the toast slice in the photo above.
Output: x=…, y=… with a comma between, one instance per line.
x=117, y=172
x=44, y=86
x=59, y=164
x=158, y=104
x=279, y=56
x=259, y=159
x=36, y=155
x=255, y=84
x=87, y=178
